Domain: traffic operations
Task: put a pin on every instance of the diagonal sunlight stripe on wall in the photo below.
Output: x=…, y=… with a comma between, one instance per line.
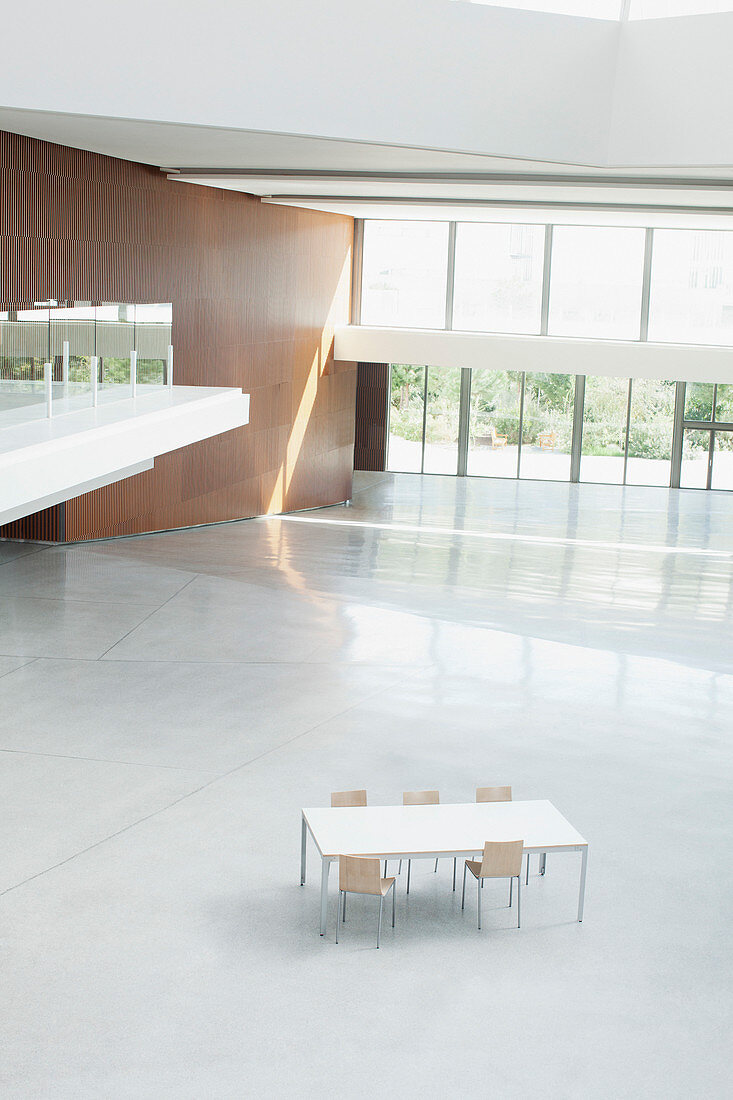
x=501, y=536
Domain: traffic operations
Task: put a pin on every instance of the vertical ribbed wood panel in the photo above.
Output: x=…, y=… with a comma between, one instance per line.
x=372, y=395
x=256, y=293
x=45, y=526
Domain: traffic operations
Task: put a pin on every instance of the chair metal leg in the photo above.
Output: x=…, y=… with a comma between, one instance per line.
x=343, y=919
x=543, y=862
x=519, y=900
x=527, y=869
x=385, y=869
x=338, y=914
x=511, y=883
x=409, y=866
x=399, y=869
x=455, y=864
x=436, y=867
x=379, y=926
x=478, y=891
x=463, y=897
x=394, y=895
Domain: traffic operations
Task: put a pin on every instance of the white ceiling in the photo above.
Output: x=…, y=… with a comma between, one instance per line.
x=402, y=110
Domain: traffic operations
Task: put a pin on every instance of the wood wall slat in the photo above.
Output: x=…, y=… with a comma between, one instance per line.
x=372, y=393
x=256, y=293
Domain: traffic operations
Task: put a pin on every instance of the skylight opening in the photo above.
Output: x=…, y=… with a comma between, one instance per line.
x=615, y=9
x=587, y=9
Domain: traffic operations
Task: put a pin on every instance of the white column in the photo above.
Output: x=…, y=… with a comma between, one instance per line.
x=133, y=372
x=47, y=378
x=169, y=372
x=95, y=379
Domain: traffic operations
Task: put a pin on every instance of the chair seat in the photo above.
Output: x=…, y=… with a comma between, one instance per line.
x=474, y=866
x=385, y=884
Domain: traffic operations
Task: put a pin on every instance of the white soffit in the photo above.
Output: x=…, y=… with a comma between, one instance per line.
x=548, y=354
x=47, y=461
x=527, y=215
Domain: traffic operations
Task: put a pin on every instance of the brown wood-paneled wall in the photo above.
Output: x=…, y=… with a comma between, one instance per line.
x=256, y=292
x=372, y=412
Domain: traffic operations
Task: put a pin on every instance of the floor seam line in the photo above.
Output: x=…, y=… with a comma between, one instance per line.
x=146, y=617
x=102, y=760
x=28, y=661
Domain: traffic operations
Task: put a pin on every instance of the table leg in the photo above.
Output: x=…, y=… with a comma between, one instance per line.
x=303, y=836
x=581, y=895
x=325, y=868
x=543, y=863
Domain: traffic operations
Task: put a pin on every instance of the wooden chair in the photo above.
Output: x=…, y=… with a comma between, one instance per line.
x=501, y=859
x=348, y=798
x=501, y=794
x=419, y=798
x=360, y=875
x=497, y=440
x=493, y=794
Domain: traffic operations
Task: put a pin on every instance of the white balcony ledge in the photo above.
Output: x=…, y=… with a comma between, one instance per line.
x=46, y=461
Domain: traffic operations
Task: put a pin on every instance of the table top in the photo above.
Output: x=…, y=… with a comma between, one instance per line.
x=450, y=828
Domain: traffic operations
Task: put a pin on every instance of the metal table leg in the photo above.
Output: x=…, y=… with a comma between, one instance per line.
x=325, y=868
x=581, y=895
x=303, y=836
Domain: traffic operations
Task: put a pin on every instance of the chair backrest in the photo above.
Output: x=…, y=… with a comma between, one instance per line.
x=360, y=875
x=502, y=858
x=348, y=798
x=493, y=794
x=420, y=798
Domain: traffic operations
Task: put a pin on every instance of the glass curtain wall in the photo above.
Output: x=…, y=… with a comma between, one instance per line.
x=495, y=423
x=651, y=429
x=406, y=418
x=596, y=281
x=547, y=426
x=590, y=282
x=522, y=424
x=605, y=419
x=404, y=274
x=442, y=415
x=498, y=278
x=707, y=452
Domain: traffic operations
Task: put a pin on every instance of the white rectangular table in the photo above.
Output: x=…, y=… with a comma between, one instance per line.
x=429, y=832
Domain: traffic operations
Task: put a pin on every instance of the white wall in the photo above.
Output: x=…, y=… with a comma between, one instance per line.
x=428, y=73
x=553, y=354
x=418, y=72
x=673, y=102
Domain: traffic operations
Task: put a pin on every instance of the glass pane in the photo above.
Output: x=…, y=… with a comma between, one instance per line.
x=650, y=433
x=723, y=461
x=695, y=446
x=724, y=402
x=404, y=274
x=441, y=422
x=595, y=285
x=692, y=287
x=498, y=278
x=407, y=385
x=604, y=429
x=494, y=425
x=699, y=400
x=115, y=332
x=547, y=427
x=153, y=328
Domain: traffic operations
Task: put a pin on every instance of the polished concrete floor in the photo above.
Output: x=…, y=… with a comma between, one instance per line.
x=168, y=703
